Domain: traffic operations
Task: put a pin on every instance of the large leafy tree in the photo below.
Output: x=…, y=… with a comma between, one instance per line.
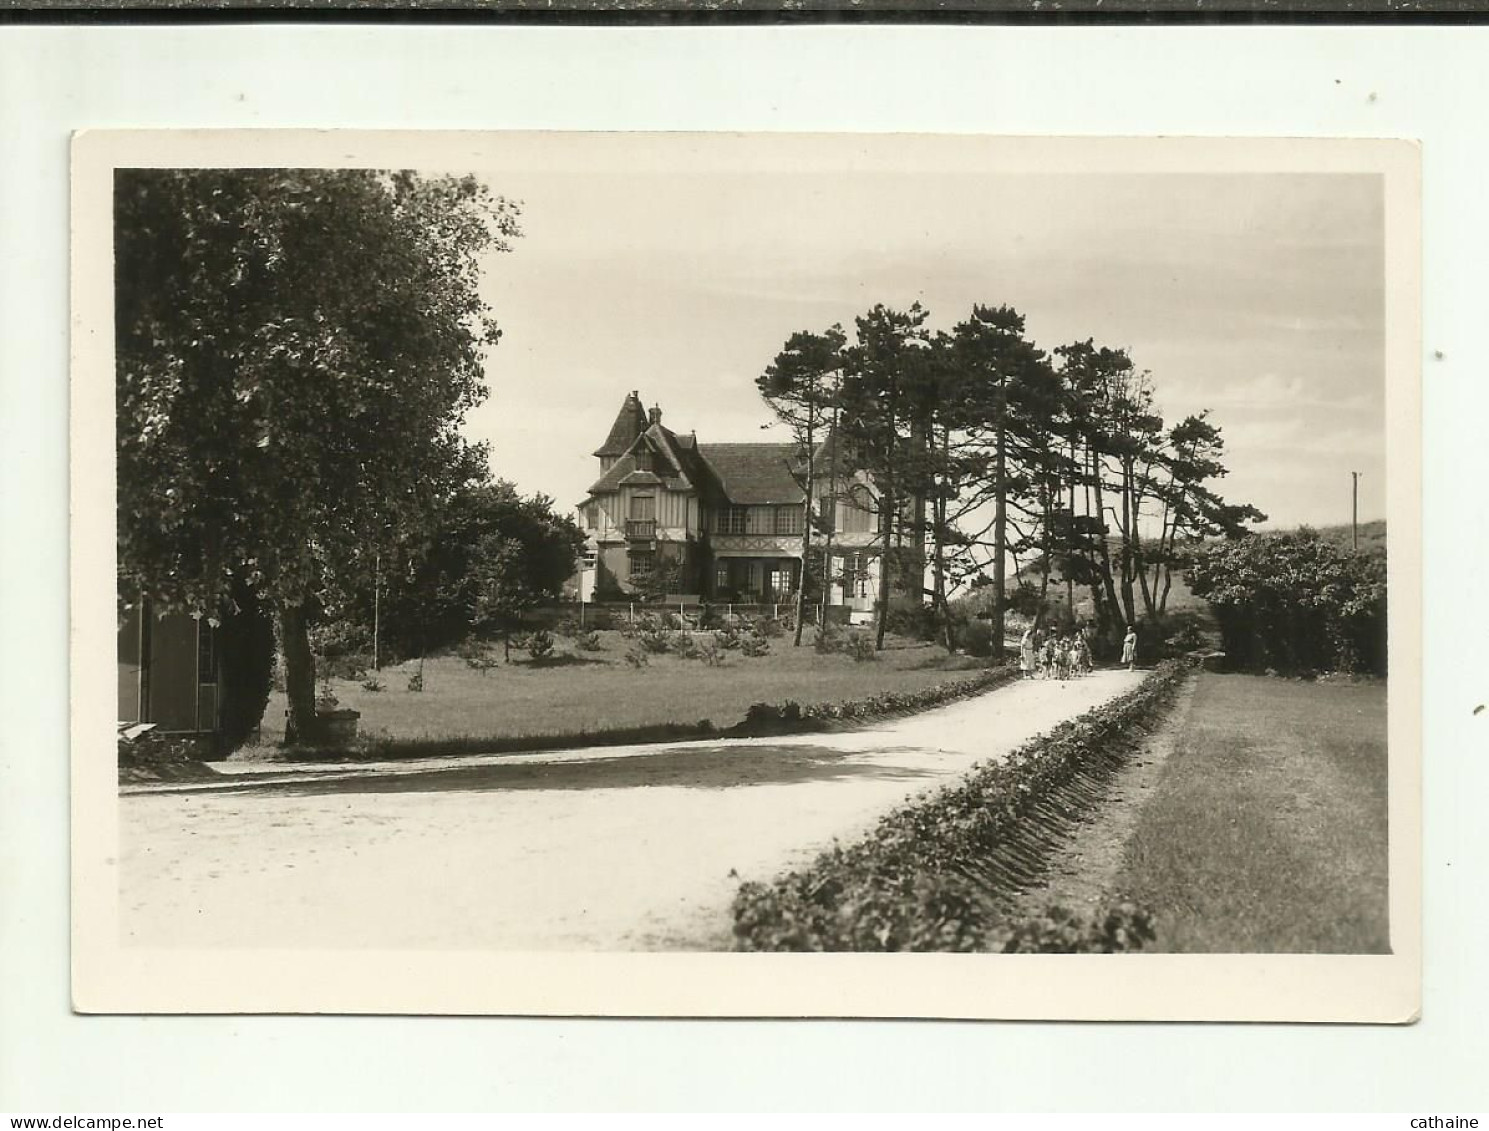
x=1294, y=602
x=521, y=558
x=296, y=350
x=488, y=555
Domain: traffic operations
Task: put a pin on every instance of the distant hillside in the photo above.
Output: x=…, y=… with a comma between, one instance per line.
x=1180, y=599
x=1372, y=535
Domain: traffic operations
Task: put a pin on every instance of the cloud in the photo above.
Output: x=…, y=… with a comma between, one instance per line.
x=1270, y=392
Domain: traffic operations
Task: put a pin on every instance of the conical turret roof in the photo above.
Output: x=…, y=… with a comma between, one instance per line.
x=630, y=422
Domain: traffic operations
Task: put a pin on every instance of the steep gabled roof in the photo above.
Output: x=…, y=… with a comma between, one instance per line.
x=630, y=422
x=755, y=473
x=665, y=468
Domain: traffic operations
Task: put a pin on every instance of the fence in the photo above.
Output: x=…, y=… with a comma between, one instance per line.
x=689, y=610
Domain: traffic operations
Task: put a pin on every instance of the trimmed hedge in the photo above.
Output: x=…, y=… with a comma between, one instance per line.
x=934, y=874
x=773, y=718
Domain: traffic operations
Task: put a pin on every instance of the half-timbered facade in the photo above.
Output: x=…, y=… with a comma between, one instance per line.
x=730, y=517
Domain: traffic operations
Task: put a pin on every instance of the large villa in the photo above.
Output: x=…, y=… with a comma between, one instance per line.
x=729, y=516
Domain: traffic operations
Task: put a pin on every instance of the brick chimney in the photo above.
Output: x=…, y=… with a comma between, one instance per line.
x=655, y=416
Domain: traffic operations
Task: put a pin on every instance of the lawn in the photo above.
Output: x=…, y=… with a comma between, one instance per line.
x=1267, y=830
x=590, y=691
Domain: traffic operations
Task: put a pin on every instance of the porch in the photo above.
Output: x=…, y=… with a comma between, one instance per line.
x=754, y=580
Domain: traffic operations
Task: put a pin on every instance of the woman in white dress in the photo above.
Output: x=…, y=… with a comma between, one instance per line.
x=1026, y=653
x=1129, y=648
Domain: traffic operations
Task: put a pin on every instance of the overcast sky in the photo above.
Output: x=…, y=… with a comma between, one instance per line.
x=681, y=270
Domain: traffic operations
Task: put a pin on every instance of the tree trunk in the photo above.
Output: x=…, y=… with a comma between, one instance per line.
x=1104, y=563
x=832, y=515
x=806, y=535
x=886, y=525
x=889, y=504
x=1000, y=539
x=1070, y=536
x=1049, y=550
x=1129, y=532
x=938, y=565
x=302, y=724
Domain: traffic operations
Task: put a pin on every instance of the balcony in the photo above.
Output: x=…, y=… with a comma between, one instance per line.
x=641, y=529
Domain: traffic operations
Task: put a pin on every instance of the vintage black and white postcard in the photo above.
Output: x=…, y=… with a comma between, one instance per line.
x=746, y=575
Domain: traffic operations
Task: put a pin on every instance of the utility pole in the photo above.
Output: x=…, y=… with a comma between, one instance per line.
x=1354, y=520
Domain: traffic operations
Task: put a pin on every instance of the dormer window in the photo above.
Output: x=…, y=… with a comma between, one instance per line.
x=643, y=458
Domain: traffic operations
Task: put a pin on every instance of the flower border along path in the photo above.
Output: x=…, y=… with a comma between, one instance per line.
x=941, y=873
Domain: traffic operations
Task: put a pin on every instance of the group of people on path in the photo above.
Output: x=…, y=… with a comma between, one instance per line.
x=1064, y=655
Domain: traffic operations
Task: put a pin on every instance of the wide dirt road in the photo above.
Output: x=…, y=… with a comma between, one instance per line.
x=622, y=848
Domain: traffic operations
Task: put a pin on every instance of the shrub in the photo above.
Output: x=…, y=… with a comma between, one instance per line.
x=977, y=638
x=325, y=698
x=416, y=681
x=339, y=636
x=860, y=646
x=911, y=619
x=816, y=714
x=829, y=639
x=655, y=640
x=567, y=626
x=587, y=640
x=771, y=715
x=709, y=653
x=637, y=656
x=683, y=646
x=1184, y=635
x=729, y=638
x=1111, y=930
x=1294, y=602
x=539, y=645
x=754, y=645
x=348, y=665
x=373, y=683
x=768, y=627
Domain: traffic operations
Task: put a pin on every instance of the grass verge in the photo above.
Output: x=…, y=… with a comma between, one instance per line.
x=1267, y=831
x=596, y=698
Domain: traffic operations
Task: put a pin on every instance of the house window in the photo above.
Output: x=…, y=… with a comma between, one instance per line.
x=642, y=457
x=641, y=561
x=856, y=575
x=591, y=516
x=721, y=578
x=780, y=580
x=643, y=507
x=856, y=511
x=760, y=520
x=729, y=520
x=788, y=520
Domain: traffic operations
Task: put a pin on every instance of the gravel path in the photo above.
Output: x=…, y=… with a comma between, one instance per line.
x=621, y=848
